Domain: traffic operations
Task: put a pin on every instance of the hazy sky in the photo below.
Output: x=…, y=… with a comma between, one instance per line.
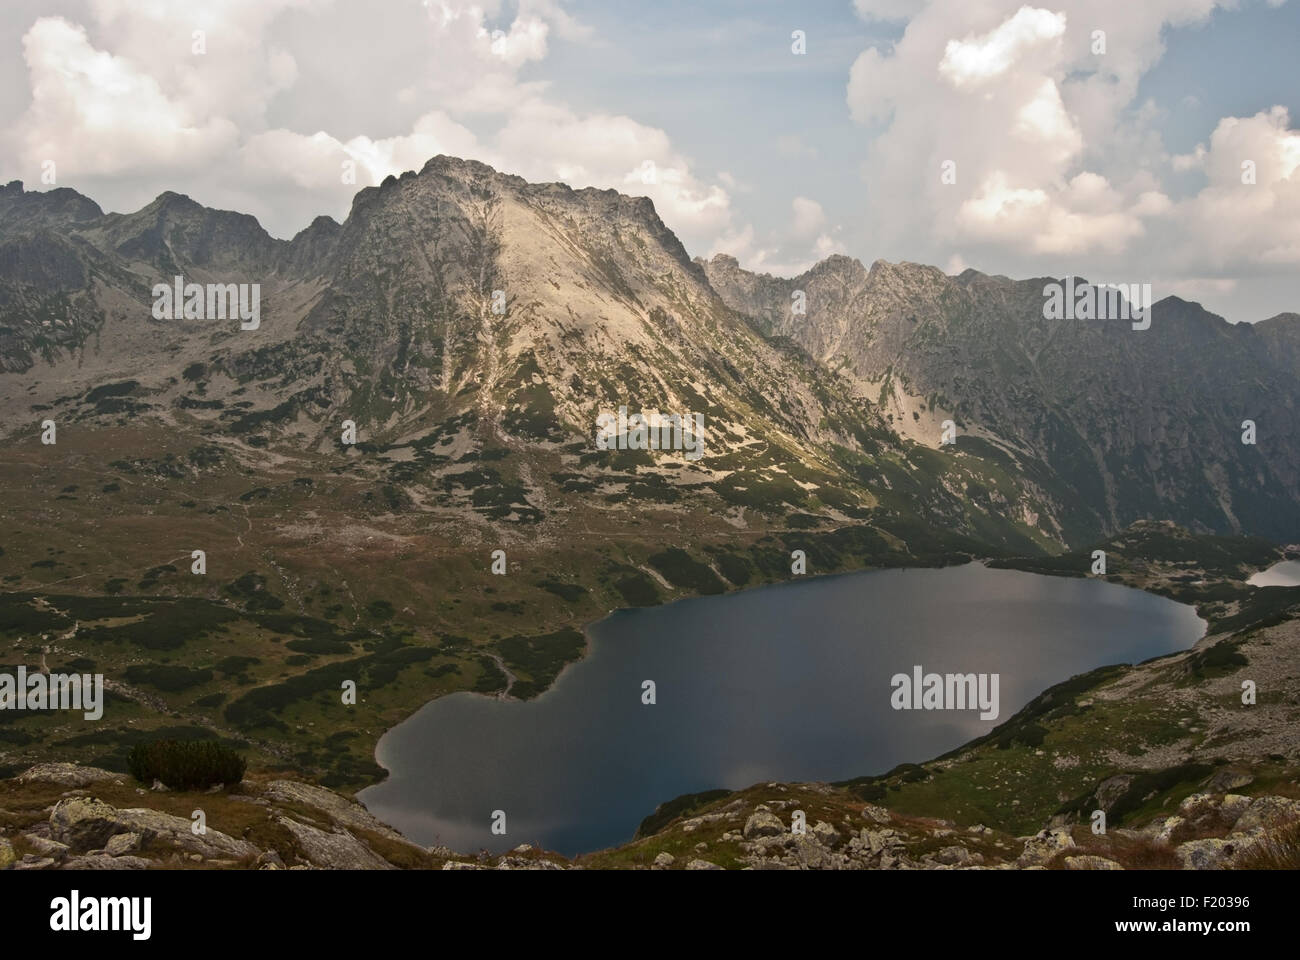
x=1116, y=155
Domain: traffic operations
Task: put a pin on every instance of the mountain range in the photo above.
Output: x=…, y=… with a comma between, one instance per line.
x=1066, y=430
x=472, y=327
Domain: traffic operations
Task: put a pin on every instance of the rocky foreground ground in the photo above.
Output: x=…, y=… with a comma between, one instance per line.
x=69, y=817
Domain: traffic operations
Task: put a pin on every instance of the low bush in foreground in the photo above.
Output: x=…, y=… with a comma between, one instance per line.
x=185, y=764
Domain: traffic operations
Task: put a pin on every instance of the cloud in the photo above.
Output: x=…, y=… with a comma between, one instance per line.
x=1015, y=133
x=1235, y=225
x=786, y=252
x=92, y=110
x=808, y=217
x=975, y=60
x=141, y=111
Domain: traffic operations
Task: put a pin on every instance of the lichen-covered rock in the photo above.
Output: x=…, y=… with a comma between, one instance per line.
x=1267, y=813
x=122, y=843
x=66, y=774
x=1045, y=844
x=344, y=812
x=338, y=850
x=955, y=855
x=1233, y=806
x=827, y=835
x=84, y=823
x=1089, y=862
x=1211, y=853
x=105, y=862
x=763, y=823
x=46, y=847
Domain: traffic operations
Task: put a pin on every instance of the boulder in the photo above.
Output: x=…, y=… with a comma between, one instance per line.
x=66, y=774
x=122, y=843
x=875, y=814
x=1198, y=805
x=1266, y=813
x=763, y=823
x=702, y=865
x=46, y=847
x=85, y=823
x=1233, y=806
x=104, y=862
x=1164, y=830
x=338, y=850
x=827, y=835
x=1111, y=789
x=954, y=855
x=1226, y=780
x=1045, y=844
x=664, y=860
x=154, y=826
x=7, y=855
x=1089, y=862
x=1211, y=854
x=344, y=812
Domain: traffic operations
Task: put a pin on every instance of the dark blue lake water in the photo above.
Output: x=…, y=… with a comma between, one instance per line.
x=788, y=682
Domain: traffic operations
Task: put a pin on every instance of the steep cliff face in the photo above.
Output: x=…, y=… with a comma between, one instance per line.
x=1114, y=424
x=471, y=305
x=522, y=311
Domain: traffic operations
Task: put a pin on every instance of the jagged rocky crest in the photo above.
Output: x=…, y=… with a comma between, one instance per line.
x=1068, y=430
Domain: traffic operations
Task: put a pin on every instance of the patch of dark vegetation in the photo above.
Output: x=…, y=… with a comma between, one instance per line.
x=1051, y=705
x=380, y=610
x=186, y=764
x=734, y=567
x=491, y=680
x=682, y=570
x=168, y=624
x=541, y=657
x=1266, y=607
x=636, y=588
x=19, y=613
x=1145, y=787
x=205, y=456
x=569, y=592
x=165, y=677
x=669, y=811
x=319, y=645
x=259, y=707
x=1214, y=661
x=250, y=590
x=109, y=390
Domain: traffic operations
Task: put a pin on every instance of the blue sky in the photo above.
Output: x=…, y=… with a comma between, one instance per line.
x=1122, y=166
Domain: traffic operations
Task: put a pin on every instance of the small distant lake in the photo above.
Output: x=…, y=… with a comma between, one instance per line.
x=788, y=682
x=1284, y=574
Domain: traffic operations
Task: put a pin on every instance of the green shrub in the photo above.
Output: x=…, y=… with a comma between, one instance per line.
x=185, y=764
x=169, y=679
